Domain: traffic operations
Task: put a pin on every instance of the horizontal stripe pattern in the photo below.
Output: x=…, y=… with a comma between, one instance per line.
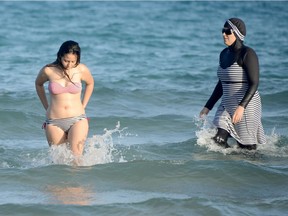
x=235, y=84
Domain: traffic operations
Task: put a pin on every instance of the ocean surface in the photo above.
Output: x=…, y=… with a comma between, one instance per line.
x=148, y=153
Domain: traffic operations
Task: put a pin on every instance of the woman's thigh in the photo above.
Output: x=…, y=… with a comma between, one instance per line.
x=55, y=135
x=77, y=136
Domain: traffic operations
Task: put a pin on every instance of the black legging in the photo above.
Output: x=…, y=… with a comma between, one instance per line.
x=221, y=138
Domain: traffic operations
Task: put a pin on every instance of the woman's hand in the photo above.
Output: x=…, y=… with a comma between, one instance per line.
x=238, y=115
x=204, y=112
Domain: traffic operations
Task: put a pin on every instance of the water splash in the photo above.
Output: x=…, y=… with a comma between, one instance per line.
x=99, y=149
x=206, y=131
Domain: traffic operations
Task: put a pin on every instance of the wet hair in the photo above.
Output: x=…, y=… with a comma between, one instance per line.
x=66, y=48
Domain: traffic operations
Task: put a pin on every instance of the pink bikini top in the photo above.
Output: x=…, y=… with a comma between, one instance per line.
x=56, y=88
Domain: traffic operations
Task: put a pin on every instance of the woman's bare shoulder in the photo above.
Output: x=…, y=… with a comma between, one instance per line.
x=82, y=67
x=47, y=69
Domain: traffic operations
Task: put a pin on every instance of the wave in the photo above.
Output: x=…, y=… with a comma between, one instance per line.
x=112, y=148
x=278, y=98
x=277, y=145
x=151, y=204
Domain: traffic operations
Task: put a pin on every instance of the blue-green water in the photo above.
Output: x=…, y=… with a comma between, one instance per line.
x=154, y=65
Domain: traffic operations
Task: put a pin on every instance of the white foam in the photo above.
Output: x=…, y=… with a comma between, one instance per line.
x=206, y=130
x=99, y=149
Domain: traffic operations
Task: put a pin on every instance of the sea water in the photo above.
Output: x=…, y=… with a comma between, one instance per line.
x=147, y=153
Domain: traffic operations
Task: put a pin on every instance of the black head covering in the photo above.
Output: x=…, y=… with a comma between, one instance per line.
x=238, y=27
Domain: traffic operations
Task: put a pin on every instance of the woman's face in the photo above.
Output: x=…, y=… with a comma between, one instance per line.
x=69, y=61
x=228, y=36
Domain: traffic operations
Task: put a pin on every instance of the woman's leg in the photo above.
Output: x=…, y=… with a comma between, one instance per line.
x=248, y=147
x=221, y=138
x=55, y=135
x=77, y=136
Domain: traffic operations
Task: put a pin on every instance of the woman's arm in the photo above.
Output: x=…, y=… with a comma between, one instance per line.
x=216, y=95
x=251, y=66
x=39, y=84
x=89, y=80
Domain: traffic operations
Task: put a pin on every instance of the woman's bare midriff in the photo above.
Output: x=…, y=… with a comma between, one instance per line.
x=64, y=106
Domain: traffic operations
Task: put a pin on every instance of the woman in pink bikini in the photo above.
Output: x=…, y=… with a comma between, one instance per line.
x=66, y=119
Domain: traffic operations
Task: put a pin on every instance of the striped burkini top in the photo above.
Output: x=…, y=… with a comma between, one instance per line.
x=235, y=84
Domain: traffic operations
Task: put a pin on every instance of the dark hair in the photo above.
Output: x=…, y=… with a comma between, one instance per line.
x=66, y=48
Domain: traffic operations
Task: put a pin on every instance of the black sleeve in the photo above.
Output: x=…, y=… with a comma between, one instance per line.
x=251, y=66
x=216, y=95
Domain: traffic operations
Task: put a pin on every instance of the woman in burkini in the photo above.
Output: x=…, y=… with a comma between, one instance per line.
x=239, y=114
x=66, y=119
